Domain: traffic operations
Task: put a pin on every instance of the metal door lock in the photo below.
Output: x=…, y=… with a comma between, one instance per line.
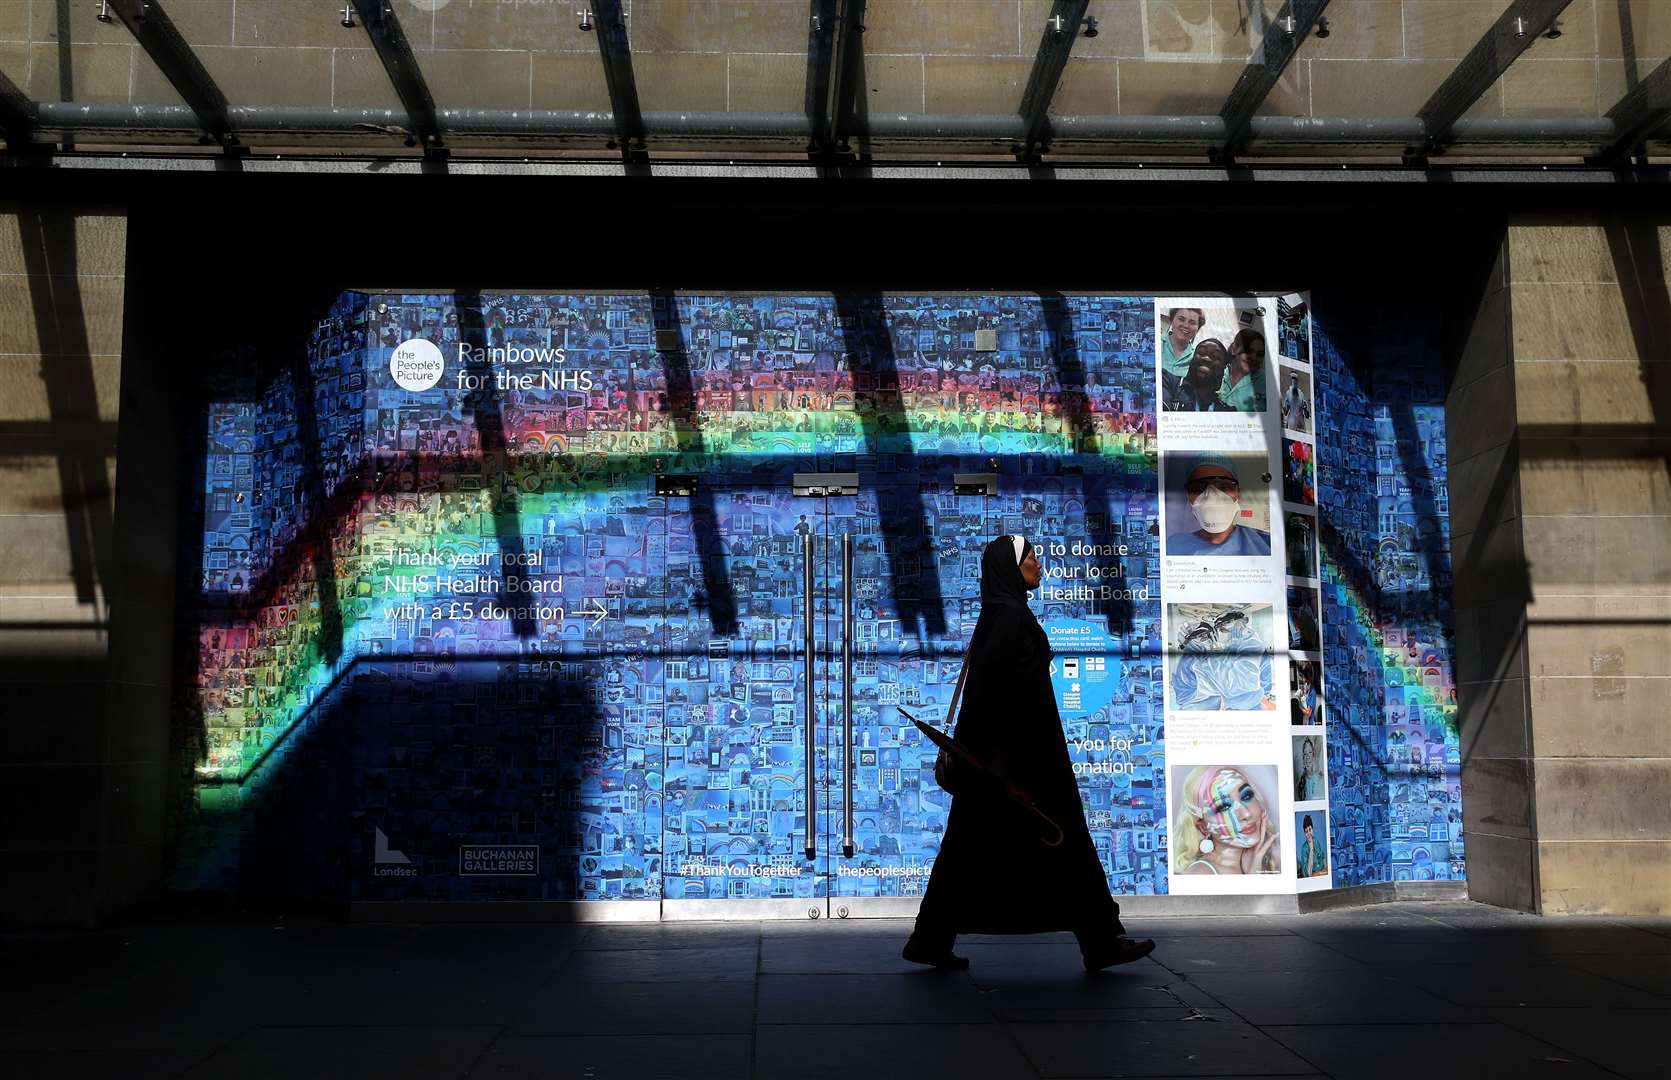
x=812, y=913
x=841, y=912
x=825, y=485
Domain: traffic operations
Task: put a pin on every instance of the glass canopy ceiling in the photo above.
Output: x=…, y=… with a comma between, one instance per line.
x=1029, y=80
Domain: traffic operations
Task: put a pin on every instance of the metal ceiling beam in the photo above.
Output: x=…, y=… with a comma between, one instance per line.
x=848, y=77
x=17, y=113
x=1639, y=114
x=387, y=37
x=1061, y=29
x=616, y=52
x=1283, y=38
x=820, y=62
x=155, y=31
x=1515, y=31
x=168, y=123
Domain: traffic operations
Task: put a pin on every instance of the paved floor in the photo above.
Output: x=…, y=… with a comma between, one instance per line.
x=1402, y=990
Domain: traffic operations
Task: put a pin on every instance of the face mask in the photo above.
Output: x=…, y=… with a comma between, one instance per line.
x=1214, y=510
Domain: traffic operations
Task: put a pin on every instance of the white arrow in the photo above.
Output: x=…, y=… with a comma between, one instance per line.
x=597, y=616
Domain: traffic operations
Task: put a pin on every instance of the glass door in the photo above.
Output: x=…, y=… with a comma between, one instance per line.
x=737, y=801
x=918, y=527
x=789, y=788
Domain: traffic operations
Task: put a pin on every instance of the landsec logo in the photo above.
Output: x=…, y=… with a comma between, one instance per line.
x=388, y=861
x=416, y=365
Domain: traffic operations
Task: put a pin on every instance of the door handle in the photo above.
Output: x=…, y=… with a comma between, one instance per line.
x=847, y=695
x=811, y=684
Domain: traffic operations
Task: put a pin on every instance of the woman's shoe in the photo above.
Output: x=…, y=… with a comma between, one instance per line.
x=1124, y=951
x=937, y=958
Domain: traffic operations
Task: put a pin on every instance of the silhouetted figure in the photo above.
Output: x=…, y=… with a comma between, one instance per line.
x=993, y=875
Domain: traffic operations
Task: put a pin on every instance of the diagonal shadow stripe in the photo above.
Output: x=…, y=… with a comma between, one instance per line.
x=1639, y=262
x=487, y=413
x=906, y=536
x=1062, y=346
x=721, y=600
x=48, y=240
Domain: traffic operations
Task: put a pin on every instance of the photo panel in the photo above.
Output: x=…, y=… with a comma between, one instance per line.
x=1311, y=843
x=1220, y=657
x=1305, y=691
x=1310, y=785
x=1299, y=473
x=1304, y=633
x=1217, y=504
x=1293, y=321
x=1213, y=356
x=1224, y=821
x=1300, y=537
x=1296, y=400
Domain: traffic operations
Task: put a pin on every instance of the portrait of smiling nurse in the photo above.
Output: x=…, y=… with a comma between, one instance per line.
x=1213, y=493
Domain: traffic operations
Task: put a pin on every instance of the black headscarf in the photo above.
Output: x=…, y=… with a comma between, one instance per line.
x=1001, y=581
x=1004, y=594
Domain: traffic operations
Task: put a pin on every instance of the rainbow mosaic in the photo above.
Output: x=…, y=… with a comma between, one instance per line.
x=354, y=730
x=1394, y=754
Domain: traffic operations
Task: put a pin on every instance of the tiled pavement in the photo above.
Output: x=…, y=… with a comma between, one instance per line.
x=1402, y=990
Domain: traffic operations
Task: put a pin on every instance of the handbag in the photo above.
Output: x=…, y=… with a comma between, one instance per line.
x=948, y=773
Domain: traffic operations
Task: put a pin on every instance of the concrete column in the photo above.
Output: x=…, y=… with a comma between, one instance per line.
x=1490, y=595
x=61, y=303
x=1592, y=373
x=1561, y=514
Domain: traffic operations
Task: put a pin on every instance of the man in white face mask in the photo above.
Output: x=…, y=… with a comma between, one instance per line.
x=1214, y=493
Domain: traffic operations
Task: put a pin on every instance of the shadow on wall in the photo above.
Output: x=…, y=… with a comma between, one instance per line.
x=406, y=764
x=1389, y=681
x=81, y=443
x=58, y=448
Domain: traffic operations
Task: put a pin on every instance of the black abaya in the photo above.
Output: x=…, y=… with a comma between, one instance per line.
x=992, y=875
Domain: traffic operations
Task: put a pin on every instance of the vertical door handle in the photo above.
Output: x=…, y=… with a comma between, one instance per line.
x=847, y=695
x=811, y=683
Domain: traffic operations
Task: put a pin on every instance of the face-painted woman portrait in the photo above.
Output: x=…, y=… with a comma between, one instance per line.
x=994, y=874
x=1224, y=824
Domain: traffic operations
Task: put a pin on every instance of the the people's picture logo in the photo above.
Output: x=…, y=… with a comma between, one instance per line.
x=416, y=364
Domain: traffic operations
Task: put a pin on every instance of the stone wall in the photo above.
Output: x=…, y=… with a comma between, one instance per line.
x=84, y=587
x=1562, y=521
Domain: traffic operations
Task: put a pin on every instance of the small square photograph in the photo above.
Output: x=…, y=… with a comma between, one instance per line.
x=1296, y=399
x=1293, y=328
x=1224, y=820
x=1217, y=504
x=1304, y=634
x=1212, y=356
x=1299, y=474
x=1305, y=692
x=1311, y=843
x=1220, y=659
x=1299, y=534
x=1309, y=782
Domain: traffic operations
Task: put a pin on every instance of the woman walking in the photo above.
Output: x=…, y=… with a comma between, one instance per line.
x=993, y=876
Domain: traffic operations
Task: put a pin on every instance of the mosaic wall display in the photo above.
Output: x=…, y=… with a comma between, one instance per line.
x=1394, y=768
x=456, y=634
